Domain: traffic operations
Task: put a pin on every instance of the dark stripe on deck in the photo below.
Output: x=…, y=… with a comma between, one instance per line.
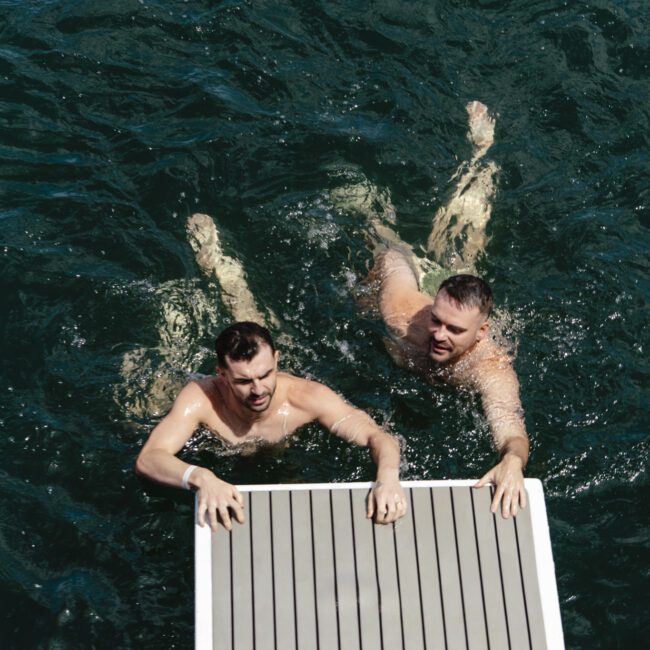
x=308, y=570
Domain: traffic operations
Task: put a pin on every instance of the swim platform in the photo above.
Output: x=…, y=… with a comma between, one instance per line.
x=308, y=570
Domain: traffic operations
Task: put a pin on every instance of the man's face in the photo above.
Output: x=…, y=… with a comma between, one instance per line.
x=253, y=382
x=453, y=329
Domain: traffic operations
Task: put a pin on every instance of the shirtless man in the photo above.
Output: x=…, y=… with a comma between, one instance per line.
x=445, y=339
x=249, y=402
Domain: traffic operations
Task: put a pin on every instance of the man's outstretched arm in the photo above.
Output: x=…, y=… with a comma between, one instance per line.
x=499, y=391
x=387, y=501
x=157, y=461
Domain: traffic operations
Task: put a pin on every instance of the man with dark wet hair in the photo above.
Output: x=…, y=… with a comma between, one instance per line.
x=249, y=402
x=469, y=291
x=445, y=339
x=241, y=342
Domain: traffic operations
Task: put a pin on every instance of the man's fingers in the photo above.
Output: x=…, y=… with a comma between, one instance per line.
x=238, y=511
x=400, y=506
x=380, y=508
x=212, y=516
x=225, y=517
x=201, y=514
x=220, y=502
x=370, y=508
x=381, y=511
x=485, y=480
x=518, y=501
x=513, y=508
x=386, y=506
x=399, y=510
x=391, y=510
x=498, y=493
x=506, y=500
x=238, y=497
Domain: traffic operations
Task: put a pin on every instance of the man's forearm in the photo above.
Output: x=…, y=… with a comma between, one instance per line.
x=161, y=466
x=505, y=415
x=388, y=501
x=385, y=453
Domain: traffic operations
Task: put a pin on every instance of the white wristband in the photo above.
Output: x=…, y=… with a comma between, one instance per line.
x=186, y=476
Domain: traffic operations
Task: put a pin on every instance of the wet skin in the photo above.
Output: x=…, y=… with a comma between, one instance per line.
x=250, y=402
x=453, y=329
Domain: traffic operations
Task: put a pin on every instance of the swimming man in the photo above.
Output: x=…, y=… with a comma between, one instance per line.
x=445, y=338
x=250, y=403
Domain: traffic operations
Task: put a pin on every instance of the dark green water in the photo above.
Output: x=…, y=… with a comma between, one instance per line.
x=119, y=119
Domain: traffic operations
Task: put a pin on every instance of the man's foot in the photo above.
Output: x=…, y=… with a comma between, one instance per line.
x=481, y=128
x=204, y=240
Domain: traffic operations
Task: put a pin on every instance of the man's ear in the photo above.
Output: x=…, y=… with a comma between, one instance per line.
x=483, y=330
x=277, y=357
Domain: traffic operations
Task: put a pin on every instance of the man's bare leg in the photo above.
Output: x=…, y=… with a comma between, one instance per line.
x=229, y=272
x=152, y=376
x=458, y=235
x=359, y=195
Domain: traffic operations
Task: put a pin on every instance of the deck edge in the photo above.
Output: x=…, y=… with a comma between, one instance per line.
x=202, y=585
x=545, y=566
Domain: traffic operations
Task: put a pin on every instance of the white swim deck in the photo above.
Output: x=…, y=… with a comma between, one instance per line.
x=308, y=571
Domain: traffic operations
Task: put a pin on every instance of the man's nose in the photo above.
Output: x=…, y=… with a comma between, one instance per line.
x=439, y=331
x=257, y=386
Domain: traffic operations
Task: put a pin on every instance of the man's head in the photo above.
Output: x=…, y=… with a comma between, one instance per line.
x=459, y=316
x=248, y=363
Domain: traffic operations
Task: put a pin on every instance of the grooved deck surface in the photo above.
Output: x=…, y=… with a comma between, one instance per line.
x=308, y=570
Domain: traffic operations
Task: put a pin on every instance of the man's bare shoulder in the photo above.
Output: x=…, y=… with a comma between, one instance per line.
x=198, y=395
x=299, y=389
x=307, y=395
x=487, y=363
x=494, y=357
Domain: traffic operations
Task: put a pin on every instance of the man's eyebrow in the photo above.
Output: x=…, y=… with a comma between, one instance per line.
x=244, y=379
x=450, y=326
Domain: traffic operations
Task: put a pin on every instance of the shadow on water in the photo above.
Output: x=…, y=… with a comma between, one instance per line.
x=120, y=120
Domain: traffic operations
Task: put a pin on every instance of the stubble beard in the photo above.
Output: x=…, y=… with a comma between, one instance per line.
x=260, y=408
x=434, y=356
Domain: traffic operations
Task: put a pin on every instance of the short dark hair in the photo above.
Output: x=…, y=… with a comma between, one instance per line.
x=469, y=291
x=241, y=341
